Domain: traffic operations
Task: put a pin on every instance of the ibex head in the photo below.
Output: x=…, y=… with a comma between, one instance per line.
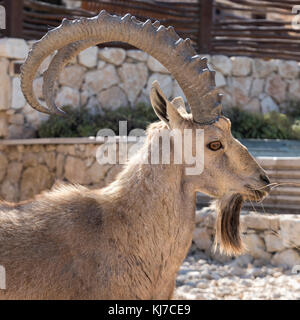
x=230, y=172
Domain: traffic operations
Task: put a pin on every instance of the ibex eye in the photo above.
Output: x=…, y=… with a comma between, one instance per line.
x=215, y=145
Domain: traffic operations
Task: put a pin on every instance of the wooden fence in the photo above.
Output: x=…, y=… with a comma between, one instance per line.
x=258, y=28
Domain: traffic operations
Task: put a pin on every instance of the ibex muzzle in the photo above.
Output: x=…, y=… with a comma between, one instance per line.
x=127, y=240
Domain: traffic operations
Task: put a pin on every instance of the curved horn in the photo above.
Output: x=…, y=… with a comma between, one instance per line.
x=176, y=54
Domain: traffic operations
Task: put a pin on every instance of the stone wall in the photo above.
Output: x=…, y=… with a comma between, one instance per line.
x=112, y=77
x=269, y=238
x=28, y=169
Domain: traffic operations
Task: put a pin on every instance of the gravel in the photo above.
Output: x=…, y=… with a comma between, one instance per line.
x=201, y=278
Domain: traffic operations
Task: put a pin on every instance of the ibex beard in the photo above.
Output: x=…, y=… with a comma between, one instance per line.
x=228, y=225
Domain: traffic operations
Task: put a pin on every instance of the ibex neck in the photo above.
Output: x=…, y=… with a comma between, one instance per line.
x=153, y=189
x=158, y=218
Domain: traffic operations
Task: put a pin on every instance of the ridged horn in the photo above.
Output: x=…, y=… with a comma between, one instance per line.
x=177, y=55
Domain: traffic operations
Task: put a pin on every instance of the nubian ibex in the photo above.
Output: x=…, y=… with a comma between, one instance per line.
x=127, y=240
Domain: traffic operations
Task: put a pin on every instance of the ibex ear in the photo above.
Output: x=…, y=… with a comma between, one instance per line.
x=163, y=108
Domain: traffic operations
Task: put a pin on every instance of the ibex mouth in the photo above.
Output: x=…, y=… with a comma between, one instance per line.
x=256, y=194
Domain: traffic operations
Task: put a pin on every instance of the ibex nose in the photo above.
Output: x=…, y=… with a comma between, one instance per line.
x=265, y=178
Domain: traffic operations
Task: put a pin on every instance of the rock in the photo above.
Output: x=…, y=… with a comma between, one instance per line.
x=50, y=159
x=227, y=100
x=288, y=69
x=72, y=76
x=113, y=98
x=155, y=66
x=134, y=77
x=165, y=82
x=18, y=100
x=14, y=171
x=101, y=64
x=219, y=257
x=15, y=131
x=262, y=68
x=30, y=159
x=29, y=132
x=94, y=106
x=242, y=261
x=222, y=64
x=255, y=246
x=75, y=171
x=252, y=106
x=241, y=66
x=143, y=99
x=60, y=162
x=9, y=191
x=13, y=48
x=3, y=127
x=66, y=149
x=294, y=90
x=177, y=91
x=84, y=96
x=202, y=284
x=138, y=55
x=35, y=180
x=240, y=88
x=206, y=217
x=220, y=80
x=3, y=165
x=68, y=97
x=290, y=231
x=89, y=57
x=97, y=172
x=38, y=87
x=17, y=119
x=273, y=243
x=268, y=105
x=287, y=258
x=96, y=81
x=257, y=87
x=115, y=56
x=5, y=85
x=35, y=119
x=276, y=87
x=202, y=239
x=260, y=221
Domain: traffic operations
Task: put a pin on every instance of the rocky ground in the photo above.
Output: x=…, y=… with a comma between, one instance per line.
x=201, y=278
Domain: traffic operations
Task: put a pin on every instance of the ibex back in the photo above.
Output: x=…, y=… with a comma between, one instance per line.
x=127, y=240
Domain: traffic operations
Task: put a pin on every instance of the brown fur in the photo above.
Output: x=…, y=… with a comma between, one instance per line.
x=127, y=240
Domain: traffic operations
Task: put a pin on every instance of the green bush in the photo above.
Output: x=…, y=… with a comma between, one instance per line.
x=80, y=123
x=293, y=110
x=273, y=125
x=296, y=129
